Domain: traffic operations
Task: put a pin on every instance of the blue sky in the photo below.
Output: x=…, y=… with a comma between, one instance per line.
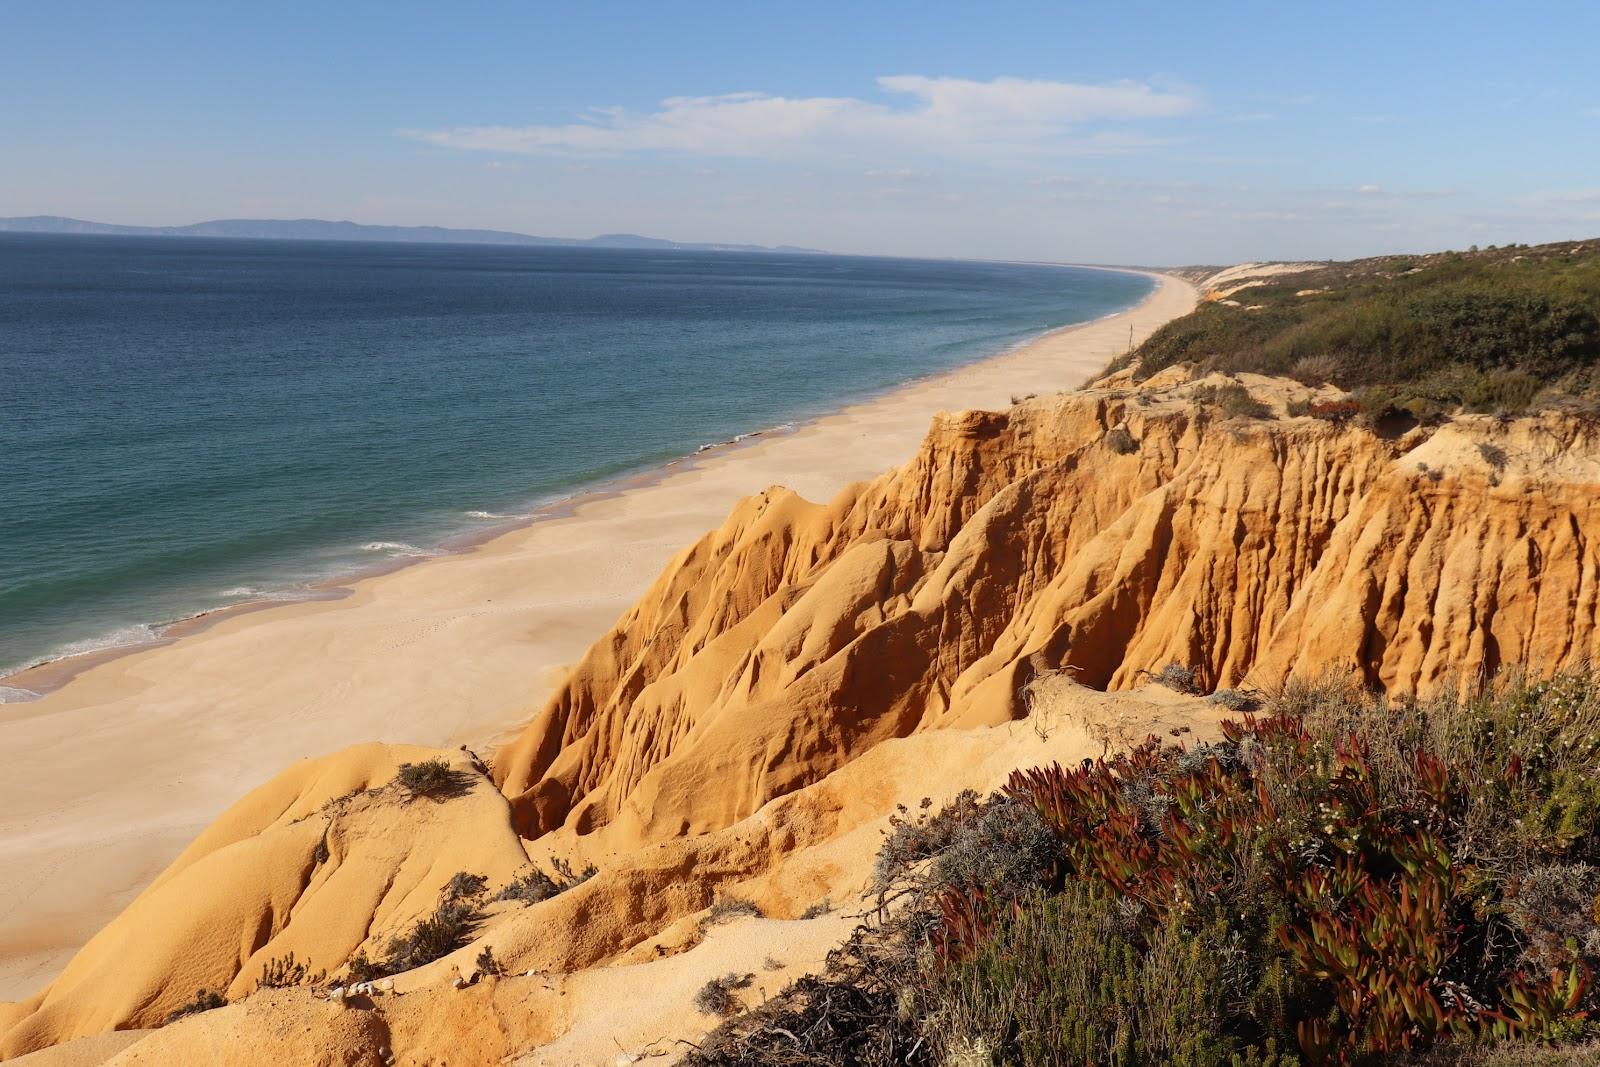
x=1133, y=132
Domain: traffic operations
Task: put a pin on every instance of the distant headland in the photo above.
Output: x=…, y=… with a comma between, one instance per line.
x=324, y=230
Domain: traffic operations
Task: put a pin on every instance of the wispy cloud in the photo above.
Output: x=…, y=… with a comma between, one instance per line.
x=1378, y=191
x=922, y=116
x=1566, y=196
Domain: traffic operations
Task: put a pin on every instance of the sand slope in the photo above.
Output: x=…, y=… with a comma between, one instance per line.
x=608, y=967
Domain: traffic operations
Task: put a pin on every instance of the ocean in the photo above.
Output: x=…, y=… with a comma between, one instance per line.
x=187, y=424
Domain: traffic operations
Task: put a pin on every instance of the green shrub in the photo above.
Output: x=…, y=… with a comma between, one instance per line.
x=1491, y=332
x=1177, y=676
x=534, y=885
x=1120, y=441
x=464, y=886
x=1005, y=848
x=204, y=1000
x=1342, y=880
x=716, y=996
x=530, y=888
x=1234, y=700
x=283, y=972
x=729, y=909
x=432, y=938
x=447, y=929
x=1069, y=979
x=912, y=840
x=360, y=969
x=1234, y=400
x=432, y=778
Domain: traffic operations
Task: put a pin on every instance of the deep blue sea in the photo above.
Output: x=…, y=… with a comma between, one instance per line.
x=190, y=423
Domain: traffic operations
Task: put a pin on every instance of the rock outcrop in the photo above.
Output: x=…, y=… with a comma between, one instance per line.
x=798, y=635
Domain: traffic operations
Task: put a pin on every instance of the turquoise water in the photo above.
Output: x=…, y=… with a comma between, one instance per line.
x=186, y=424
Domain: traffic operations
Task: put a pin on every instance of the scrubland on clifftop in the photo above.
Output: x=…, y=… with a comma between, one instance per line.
x=764, y=723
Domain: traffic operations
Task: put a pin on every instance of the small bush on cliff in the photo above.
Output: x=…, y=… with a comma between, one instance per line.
x=1120, y=441
x=284, y=972
x=1234, y=400
x=1342, y=880
x=716, y=997
x=1234, y=700
x=447, y=929
x=728, y=909
x=818, y=910
x=432, y=778
x=533, y=885
x=204, y=1000
x=530, y=887
x=464, y=886
x=1178, y=677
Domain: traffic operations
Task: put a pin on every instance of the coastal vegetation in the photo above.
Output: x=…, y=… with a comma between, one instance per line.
x=534, y=885
x=1342, y=878
x=432, y=778
x=1502, y=330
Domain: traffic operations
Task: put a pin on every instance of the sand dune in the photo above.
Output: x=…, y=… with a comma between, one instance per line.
x=105, y=781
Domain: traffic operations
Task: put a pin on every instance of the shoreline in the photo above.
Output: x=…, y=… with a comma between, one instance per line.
x=110, y=775
x=37, y=680
x=51, y=674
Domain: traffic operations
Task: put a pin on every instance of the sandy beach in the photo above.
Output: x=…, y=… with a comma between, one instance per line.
x=106, y=778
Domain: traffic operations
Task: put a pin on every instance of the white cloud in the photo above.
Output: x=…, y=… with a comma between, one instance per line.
x=1569, y=196
x=923, y=116
x=1068, y=179
x=1405, y=194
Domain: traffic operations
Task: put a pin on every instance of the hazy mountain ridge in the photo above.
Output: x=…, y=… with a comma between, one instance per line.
x=325, y=230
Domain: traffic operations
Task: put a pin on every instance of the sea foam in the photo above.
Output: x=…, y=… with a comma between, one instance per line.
x=397, y=549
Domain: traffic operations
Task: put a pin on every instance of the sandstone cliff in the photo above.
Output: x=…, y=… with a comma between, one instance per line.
x=798, y=635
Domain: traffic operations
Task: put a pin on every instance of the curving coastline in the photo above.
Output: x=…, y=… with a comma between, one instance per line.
x=27, y=680
x=128, y=760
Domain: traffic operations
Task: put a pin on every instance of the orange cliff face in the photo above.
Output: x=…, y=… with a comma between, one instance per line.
x=798, y=635
x=749, y=725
